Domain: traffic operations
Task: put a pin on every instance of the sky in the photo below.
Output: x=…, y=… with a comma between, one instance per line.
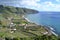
x=40, y=5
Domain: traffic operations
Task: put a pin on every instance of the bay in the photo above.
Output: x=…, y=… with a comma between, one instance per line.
x=51, y=19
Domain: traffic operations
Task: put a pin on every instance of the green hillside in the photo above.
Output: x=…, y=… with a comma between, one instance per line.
x=13, y=26
x=11, y=9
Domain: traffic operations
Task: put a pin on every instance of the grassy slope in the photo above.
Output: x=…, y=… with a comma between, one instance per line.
x=11, y=9
x=7, y=11
x=16, y=13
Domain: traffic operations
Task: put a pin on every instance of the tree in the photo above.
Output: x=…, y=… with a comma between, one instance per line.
x=0, y=22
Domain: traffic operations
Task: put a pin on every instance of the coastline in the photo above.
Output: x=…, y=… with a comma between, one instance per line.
x=29, y=20
x=49, y=28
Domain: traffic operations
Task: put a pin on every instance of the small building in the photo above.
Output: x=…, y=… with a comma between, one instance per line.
x=12, y=27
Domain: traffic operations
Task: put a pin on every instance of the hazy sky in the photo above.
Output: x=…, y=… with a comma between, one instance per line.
x=41, y=5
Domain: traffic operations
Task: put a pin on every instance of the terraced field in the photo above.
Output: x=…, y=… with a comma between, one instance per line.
x=5, y=32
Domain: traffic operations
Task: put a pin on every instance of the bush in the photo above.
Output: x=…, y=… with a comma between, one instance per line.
x=28, y=38
x=16, y=38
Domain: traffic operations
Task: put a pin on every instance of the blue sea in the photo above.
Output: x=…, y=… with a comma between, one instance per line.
x=51, y=19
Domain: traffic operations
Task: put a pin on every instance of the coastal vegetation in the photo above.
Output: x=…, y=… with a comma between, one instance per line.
x=14, y=26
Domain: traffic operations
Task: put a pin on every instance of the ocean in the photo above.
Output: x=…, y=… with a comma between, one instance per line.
x=50, y=19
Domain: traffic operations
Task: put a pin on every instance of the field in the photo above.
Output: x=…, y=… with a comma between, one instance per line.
x=20, y=32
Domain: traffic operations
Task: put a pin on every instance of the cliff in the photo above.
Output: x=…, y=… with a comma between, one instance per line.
x=11, y=9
